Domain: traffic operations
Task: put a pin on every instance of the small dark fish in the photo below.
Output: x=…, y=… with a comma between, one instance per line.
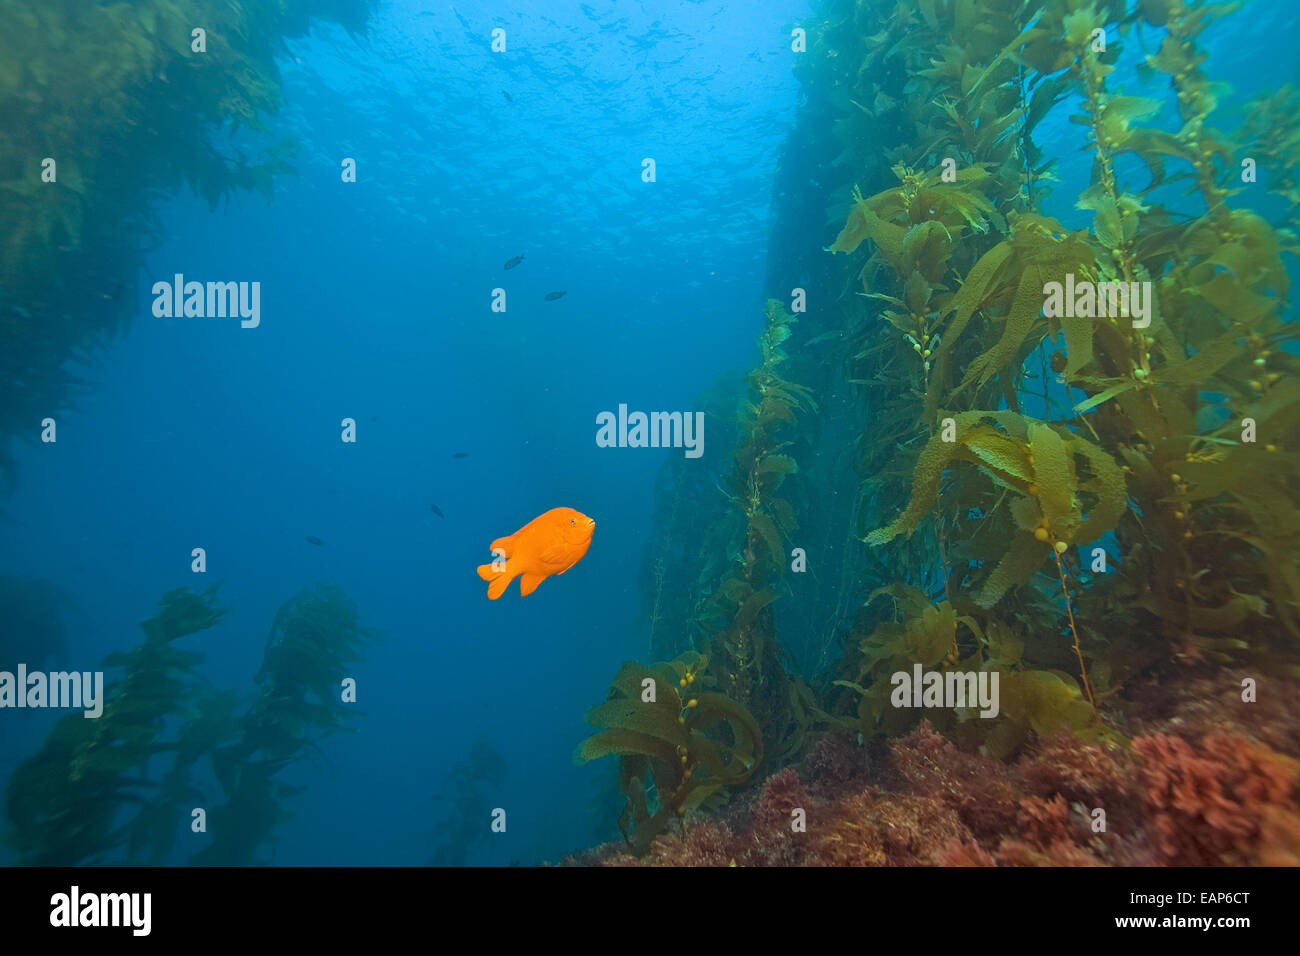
x=436, y=510
x=552, y=296
x=511, y=263
x=461, y=454
x=509, y=98
x=312, y=539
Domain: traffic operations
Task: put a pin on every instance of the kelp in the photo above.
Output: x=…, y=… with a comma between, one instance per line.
x=740, y=626
x=678, y=745
x=116, y=96
x=1070, y=496
x=119, y=788
x=1154, y=465
x=464, y=799
x=69, y=802
x=314, y=642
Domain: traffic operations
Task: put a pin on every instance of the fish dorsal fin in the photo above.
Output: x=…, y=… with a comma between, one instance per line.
x=506, y=545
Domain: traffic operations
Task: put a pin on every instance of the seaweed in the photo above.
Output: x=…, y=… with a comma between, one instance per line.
x=68, y=802
x=315, y=639
x=1071, y=494
x=117, y=98
x=678, y=745
x=118, y=788
x=465, y=823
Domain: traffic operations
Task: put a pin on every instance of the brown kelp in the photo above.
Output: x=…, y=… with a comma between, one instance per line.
x=315, y=640
x=119, y=788
x=1075, y=447
x=678, y=744
x=71, y=802
x=120, y=101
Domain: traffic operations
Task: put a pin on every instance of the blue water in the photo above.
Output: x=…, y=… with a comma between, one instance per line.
x=376, y=306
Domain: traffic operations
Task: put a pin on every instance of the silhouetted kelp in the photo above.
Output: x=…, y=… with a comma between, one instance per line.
x=118, y=100
x=466, y=796
x=92, y=793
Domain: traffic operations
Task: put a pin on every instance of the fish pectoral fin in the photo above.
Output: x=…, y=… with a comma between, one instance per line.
x=555, y=555
x=528, y=583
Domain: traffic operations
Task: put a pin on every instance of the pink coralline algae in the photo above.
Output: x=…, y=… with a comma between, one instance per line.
x=1227, y=799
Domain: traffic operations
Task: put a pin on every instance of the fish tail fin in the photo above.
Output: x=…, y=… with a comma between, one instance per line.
x=498, y=581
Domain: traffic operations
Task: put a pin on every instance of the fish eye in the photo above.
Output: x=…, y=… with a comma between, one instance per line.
x=573, y=521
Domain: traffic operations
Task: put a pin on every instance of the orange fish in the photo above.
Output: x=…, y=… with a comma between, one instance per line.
x=549, y=544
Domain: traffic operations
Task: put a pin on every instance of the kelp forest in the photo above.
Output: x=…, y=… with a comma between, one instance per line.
x=981, y=443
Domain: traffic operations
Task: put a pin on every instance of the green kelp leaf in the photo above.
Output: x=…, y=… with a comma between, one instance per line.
x=1026, y=308
x=626, y=742
x=735, y=588
x=851, y=685
x=999, y=452
x=698, y=795
x=1228, y=616
x=930, y=638
x=1105, y=395
x=1205, y=363
x=784, y=515
x=1078, y=343
x=1048, y=700
x=910, y=600
x=975, y=290
x=1004, y=647
x=864, y=223
x=1022, y=559
x=1107, y=483
x=926, y=248
x=658, y=719
x=855, y=226
x=762, y=526
x=777, y=464
x=755, y=603
x=930, y=464
x=1054, y=475
x=1026, y=514
x=181, y=612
